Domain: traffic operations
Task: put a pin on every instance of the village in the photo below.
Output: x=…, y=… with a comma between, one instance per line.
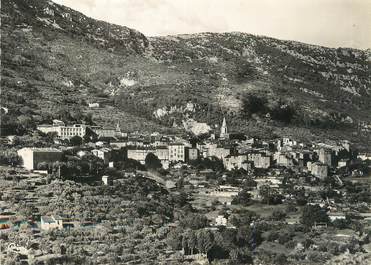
x=217, y=176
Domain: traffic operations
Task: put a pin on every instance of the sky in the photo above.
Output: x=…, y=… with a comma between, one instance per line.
x=331, y=23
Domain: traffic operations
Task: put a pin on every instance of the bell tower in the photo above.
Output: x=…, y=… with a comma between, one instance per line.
x=224, y=130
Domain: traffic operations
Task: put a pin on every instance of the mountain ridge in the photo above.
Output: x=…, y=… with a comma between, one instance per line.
x=259, y=36
x=51, y=59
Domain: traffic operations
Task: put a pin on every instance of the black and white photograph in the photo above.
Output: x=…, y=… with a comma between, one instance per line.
x=195, y=132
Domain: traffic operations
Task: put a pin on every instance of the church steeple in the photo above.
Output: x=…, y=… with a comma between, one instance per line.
x=118, y=129
x=224, y=130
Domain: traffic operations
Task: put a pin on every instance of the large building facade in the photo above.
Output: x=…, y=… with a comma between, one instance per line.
x=235, y=162
x=67, y=132
x=325, y=157
x=139, y=154
x=260, y=160
x=177, y=152
x=33, y=156
x=64, y=132
x=318, y=169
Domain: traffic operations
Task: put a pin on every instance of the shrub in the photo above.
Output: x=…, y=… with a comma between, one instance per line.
x=272, y=236
x=152, y=161
x=283, y=112
x=278, y=215
x=314, y=214
x=284, y=238
x=76, y=140
x=280, y=259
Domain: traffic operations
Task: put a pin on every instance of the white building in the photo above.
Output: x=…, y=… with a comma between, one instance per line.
x=67, y=132
x=336, y=216
x=225, y=191
x=177, y=152
x=107, y=180
x=139, y=154
x=286, y=143
x=108, y=132
x=213, y=150
x=47, y=128
x=260, y=160
x=50, y=223
x=284, y=159
x=318, y=169
x=221, y=221
x=325, y=156
x=33, y=156
x=94, y=105
x=343, y=163
x=64, y=132
x=162, y=153
x=235, y=162
x=104, y=154
x=364, y=156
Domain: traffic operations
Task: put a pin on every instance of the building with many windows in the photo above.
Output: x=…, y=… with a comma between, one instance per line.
x=325, y=157
x=318, y=169
x=67, y=132
x=235, y=162
x=139, y=154
x=64, y=132
x=192, y=154
x=162, y=152
x=260, y=160
x=177, y=152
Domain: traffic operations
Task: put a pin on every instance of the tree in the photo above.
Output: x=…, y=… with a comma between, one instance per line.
x=241, y=256
x=189, y=241
x=152, y=161
x=52, y=135
x=76, y=140
x=243, y=197
x=252, y=104
x=174, y=239
x=283, y=112
x=129, y=164
x=314, y=214
x=10, y=158
x=194, y=221
x=90, y=136
x=278, y=215
x=245, y=71
x=243, y=217
x=205, y=240
x=280, y=259
x=249, y=183
x=208, y=163
x=270, y=195
x=26, y=122
x=248, y=236
x=64, y=114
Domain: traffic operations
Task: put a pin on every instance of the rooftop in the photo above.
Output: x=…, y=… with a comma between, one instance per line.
x=176, y=144
x=47, y=219
x=38, y=149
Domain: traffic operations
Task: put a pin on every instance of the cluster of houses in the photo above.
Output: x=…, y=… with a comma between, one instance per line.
x=315, y=159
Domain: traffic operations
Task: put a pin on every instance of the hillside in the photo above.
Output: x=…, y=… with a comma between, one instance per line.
x=56, y=60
